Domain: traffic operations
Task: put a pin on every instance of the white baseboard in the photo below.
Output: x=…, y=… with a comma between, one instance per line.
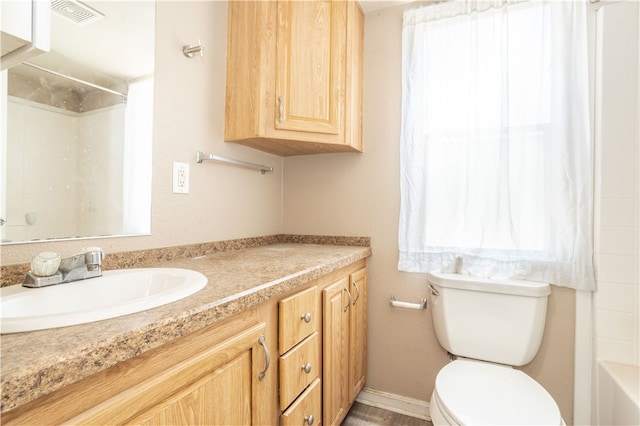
x=395, y=403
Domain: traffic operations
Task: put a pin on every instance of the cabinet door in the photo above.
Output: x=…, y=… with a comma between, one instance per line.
x=227, y=394
x=358, y=333
x=222, y=397
x=335, y=328
x=218, y=386
x=310, y=63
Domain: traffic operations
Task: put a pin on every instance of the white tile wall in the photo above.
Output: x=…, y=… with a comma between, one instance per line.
x=53, y=198
x=616, y=302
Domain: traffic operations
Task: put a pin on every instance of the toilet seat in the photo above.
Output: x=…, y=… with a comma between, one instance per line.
x=479, y=393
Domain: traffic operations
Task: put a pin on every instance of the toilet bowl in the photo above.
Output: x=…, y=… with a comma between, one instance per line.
x=490, y=326
x=478, y=393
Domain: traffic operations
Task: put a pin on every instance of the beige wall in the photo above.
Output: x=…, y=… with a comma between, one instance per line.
x=358, y=194
x=225, y=202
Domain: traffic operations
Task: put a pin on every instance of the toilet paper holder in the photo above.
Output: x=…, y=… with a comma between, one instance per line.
x=407, y=305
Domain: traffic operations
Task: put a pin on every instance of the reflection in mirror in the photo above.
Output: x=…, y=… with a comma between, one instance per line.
x=79, y=127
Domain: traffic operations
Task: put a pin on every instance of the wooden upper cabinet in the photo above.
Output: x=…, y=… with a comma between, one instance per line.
x=294, y=76
x=309, y=80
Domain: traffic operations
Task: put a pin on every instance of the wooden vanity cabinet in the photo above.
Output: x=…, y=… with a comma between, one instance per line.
x=294, y=76
x=317, y=341
x=209, y=377
x=344, y=344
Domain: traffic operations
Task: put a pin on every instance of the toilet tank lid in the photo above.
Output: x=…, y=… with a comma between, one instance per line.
x=490, y=285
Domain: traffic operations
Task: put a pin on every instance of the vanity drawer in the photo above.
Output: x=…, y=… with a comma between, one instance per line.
x=298, y=368
x=298, y=318
x=306, y=410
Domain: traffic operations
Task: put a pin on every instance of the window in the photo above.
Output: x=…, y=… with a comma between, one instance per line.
x=496, y=153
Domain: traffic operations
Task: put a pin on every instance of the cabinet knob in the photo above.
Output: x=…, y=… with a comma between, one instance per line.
x=306, y=317
x=309, y=419
x=307, y=368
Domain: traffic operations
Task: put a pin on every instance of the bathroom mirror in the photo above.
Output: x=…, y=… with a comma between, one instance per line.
x=76, y=157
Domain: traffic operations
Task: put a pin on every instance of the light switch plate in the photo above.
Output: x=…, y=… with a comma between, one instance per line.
x=180, y=178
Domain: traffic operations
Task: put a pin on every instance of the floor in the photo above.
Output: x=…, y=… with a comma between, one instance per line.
x=361, y=415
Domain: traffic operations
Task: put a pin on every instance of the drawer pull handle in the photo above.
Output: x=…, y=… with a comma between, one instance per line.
x=267, y=357
x=306, y=317
x=309, y=419
x=349, y=302
x=355, y=284
x=307, y=368
x=280, y=109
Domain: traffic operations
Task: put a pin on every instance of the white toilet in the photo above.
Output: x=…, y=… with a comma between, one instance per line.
x=490, y=326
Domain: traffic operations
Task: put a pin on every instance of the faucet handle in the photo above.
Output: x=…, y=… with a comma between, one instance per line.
x=45, y=264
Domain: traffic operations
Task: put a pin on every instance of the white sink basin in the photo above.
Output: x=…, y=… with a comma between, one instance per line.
x=114, y=294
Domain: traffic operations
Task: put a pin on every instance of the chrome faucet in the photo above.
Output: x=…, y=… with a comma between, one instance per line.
x=77, y=267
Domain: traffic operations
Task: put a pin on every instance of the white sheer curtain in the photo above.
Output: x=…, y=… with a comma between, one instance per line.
x=496, y=152
x=137, y=158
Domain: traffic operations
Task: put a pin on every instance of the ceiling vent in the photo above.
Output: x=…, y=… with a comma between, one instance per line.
x=75, y=11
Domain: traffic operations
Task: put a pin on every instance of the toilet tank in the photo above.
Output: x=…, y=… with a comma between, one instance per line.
x=498, y=320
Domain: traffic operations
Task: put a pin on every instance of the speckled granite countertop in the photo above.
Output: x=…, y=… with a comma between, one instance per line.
x=39, y=362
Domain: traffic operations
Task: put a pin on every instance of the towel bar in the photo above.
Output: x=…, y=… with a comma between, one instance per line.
x=200, y=157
